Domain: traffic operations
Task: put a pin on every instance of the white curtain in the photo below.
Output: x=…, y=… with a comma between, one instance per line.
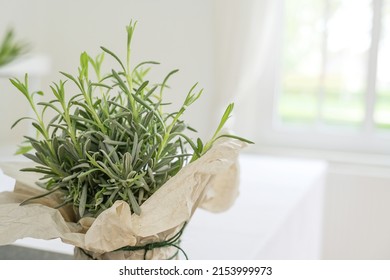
x=247, y=36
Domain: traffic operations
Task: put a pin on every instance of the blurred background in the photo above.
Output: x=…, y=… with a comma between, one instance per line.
x=309, y=79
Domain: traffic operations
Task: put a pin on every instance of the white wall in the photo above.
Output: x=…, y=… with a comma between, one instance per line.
x=177, y=33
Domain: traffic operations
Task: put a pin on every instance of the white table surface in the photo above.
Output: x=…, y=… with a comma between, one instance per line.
x=278, y=215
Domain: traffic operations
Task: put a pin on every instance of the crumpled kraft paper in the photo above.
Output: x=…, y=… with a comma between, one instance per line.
x=211, y=182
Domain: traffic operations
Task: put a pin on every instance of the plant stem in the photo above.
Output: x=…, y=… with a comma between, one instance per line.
x=130, y=29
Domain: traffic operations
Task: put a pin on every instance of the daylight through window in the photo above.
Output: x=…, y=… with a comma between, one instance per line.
x=336, y=64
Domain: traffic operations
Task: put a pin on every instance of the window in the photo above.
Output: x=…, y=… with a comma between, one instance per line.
x=332, y=73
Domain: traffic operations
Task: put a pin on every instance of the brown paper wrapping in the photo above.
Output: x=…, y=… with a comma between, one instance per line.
x=211, y=182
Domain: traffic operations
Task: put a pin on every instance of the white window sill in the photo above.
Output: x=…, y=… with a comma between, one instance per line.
x=338, y=157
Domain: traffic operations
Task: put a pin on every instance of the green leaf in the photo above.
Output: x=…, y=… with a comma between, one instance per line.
x=114, y=56
x=38, y=196
x=20, y=86
x=200, y=146
x=225, y=117
x=23, y=150
x=19, y=120
x=33, y=158
x=163, y=85
x=133, y=202
x=39, y=128
x=145, y=63
x=83, y=200
x=235, y=137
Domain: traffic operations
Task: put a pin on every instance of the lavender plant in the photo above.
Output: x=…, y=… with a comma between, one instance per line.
x=112, y=140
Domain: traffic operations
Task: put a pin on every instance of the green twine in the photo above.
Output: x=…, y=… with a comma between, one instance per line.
x=173, y=241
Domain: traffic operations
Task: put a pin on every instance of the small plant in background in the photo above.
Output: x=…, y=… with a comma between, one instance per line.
x=10, y=49
x=112, y=140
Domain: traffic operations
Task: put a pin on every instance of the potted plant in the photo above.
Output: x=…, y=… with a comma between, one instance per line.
x=122, y=177
x=11, y=49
